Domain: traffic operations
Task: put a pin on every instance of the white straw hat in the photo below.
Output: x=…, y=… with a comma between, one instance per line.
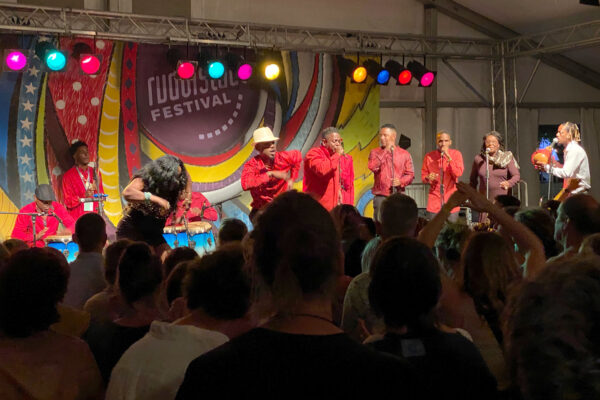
x=264, y=134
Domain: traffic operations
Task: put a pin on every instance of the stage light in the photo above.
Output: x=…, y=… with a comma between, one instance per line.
x=359, y=74
x=89, y=63
x=56, y=60
x=186, y=69
x=216, y=69
x=375, y=70
x=422, y=74
x=244, y=72
x=271, y=71
x=402, y=75
x=15, y=59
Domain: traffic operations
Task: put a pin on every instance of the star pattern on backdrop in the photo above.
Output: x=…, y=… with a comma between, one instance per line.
x=31, y=81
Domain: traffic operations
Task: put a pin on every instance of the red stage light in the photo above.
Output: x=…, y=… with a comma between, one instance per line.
x=186, y=69
x=404, y=77
x=89, y=63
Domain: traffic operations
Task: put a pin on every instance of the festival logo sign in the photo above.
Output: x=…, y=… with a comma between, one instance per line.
x=197, y=117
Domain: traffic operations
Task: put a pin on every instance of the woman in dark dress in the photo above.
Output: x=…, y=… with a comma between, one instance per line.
x=152, y=195
x=504, y=170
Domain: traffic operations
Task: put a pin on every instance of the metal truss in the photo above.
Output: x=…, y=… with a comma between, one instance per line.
x=557, y=40
x=157, y=29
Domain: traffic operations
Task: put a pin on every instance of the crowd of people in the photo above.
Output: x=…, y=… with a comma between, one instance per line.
x=316, y=300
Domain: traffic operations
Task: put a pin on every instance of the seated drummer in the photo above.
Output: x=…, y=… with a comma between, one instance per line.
x=199, y=210
x=46, y=225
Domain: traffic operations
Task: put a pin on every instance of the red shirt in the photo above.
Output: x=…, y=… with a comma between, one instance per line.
x=264, y=188
x=347, y=176
x=322, y=176
x=73, y=190
x=200, y=209
x=386, y=166
x=434, y=162
x=24, y=228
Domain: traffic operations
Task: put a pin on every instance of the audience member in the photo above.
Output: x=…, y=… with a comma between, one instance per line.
x=552, y=339
x=506, y=200
x=87, y=277
x=231, y=230
x=176, y=256
x=590, y=245
x=405, y=288
x=139, y=278
x=577, y=218
x=14, y=245
x=36, y=363
x=541, y=223
x=349, y=224
x=449, y=246
x=398, y=215
x=174, y=291
x=4, y=253
x=217, y=293
x=298, y=351
x=107, y=305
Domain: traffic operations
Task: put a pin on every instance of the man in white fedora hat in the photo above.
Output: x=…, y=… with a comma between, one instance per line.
x=270, y=172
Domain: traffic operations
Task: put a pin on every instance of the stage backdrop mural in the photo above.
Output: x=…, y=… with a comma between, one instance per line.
x=135, y=109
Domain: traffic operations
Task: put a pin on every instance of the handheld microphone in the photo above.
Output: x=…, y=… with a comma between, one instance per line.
x=487, y=150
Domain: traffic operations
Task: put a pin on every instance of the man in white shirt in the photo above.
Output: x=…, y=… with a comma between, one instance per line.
x=217, y=291
x=576, y=161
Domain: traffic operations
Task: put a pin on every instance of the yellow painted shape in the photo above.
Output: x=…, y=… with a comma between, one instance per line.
x=368, y=212
x=199, y=173
x=40, y=144
x=355, y=94
x=363, y=125
x=108, y=138
x=7, y=222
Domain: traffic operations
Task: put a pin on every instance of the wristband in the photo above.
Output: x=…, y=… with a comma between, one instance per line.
x=147, y=196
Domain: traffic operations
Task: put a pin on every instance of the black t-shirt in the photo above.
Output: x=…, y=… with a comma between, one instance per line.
x=108, y=341
x=451, y=365
x=268, y=364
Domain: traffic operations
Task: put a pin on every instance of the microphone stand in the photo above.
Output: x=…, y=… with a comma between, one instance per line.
x=551, y=166
x=101, y=202
x=33, y=220
x=393, y=187
x=487, y=175
x=442, y=179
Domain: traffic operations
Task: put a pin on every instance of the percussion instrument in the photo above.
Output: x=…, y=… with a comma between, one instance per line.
x=64, y=244
x=200, y=235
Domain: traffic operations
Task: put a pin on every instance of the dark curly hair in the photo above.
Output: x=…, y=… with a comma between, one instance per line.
x=165, y=177
x=540, y=222
x=75, y=146
x=32, y=283
x=553, y=332
x=498, y=137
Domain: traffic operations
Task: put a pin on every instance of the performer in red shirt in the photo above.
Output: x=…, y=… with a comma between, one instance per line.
x=392, y=167
x=322, y=166
x=270, y=172
x=46, y=224
x=80, y=182
x=199, y=210
x=443, y=165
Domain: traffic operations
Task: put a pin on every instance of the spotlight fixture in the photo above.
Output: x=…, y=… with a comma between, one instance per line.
x=422, y=74
x=186, y=69
x=89, y=63
x=402, y=75
x=272, y=71
x=15, y=60
x=358, y=74
x=54, y=60
x=216, y=69
x=375, y=70
x=237, y=63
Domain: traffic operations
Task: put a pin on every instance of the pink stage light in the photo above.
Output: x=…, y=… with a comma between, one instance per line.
x=16, y=61
x=186, y=69
x=244, y=72
x=427, y=79
x=89, y=63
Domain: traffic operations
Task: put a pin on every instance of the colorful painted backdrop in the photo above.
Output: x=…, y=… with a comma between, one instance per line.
x=135, y=110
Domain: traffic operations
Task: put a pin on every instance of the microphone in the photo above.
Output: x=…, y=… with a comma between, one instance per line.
x=487, y=150
x=51, y=213
x=554, y=142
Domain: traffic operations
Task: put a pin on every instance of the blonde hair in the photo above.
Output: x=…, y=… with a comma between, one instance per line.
x=573, y=130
